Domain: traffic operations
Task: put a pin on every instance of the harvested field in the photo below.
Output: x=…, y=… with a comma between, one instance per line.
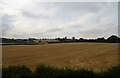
x=91, y=55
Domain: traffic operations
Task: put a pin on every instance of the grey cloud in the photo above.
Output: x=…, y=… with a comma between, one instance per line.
x=74, y=16
x=99, y=32
x=33, y=16
x=30, y=15
x=81, y=6
x=55, y=30
x=119, y=19
x=7, y=22
x=70, y=10
x=75, y=26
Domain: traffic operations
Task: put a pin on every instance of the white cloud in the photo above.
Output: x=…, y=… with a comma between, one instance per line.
x=51, y=19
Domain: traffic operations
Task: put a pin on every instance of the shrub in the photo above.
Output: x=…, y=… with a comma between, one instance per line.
x=43, y=71
x=113, y=72
x=16, y=72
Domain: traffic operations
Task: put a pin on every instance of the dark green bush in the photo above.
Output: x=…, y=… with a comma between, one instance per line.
x=16, y=72
x=113, y=72
x=43, y=71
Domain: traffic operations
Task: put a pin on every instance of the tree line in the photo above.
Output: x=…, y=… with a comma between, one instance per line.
x=111, y=39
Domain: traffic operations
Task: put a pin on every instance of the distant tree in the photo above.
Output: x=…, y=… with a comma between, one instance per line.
x=58, y=38
x=119, y=40
x=101, y=39
x=65, y=38
x=73, y=38
x=81, y=39
x=113, y=39
x=0, y=40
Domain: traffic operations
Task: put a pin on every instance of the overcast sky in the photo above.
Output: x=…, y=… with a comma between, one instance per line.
x=58, y=19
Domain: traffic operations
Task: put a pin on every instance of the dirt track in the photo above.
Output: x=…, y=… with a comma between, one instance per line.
x=91, y=55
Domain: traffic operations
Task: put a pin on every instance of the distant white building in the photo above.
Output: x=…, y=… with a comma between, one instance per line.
x=46, y=41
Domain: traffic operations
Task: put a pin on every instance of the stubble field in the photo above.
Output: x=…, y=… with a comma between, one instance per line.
x=97, y=56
